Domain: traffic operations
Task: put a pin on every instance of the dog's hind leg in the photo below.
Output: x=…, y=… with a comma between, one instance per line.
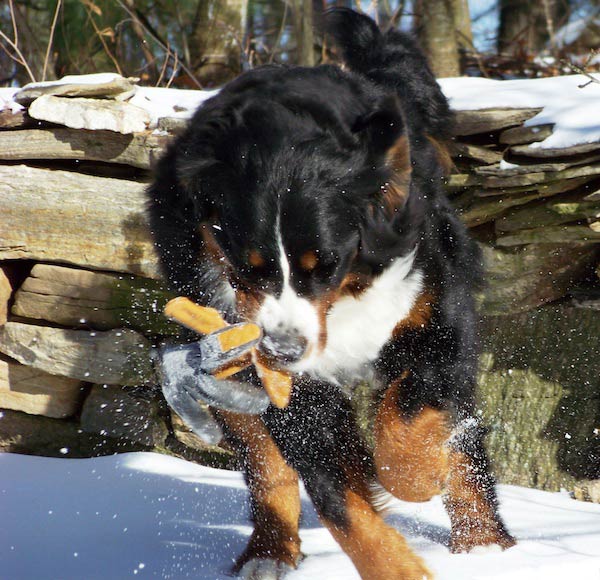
x=274, y=547
x=424, y=454
x=318, y=436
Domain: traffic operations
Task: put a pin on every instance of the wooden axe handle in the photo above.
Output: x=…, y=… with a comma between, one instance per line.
x=204, y=320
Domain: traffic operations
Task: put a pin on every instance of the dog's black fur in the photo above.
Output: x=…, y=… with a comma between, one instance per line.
x=312, y=143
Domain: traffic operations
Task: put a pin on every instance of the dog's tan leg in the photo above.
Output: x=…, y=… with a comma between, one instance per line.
x=411, y=456
x=378, y=551
x=470, y=500
x=275, y=499
x=422, y=456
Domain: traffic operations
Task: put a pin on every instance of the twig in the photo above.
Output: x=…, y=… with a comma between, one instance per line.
x=175, y=68
x=158, y=41
x=101, y=38
x=20, y=58
x=579, y=70
x=163, y=69
x=51, y=38
x=14, y=22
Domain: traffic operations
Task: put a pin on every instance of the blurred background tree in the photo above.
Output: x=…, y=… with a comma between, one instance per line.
x=204, y=43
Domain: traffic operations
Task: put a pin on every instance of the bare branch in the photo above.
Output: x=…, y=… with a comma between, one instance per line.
x=581, y=71
x=51, y=38
x=19, y=55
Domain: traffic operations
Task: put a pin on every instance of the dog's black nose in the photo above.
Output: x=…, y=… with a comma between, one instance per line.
x=287, y=347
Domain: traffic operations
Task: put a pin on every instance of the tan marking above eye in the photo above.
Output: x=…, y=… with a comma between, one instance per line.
x=255, y=259
x=309, y=260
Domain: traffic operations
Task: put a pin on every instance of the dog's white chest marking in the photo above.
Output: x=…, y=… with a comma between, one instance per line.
x=358, y=328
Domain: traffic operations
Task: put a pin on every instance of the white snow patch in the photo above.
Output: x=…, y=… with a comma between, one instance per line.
x=161, y=102
x=574, y=111
x=507, y=165
x=7, y=101
x=103, y=518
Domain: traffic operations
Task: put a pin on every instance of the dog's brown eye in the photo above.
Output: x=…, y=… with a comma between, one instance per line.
x=255, y=259
x=309, y=260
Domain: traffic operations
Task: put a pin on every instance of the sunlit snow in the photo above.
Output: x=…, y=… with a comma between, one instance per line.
x=143, y=515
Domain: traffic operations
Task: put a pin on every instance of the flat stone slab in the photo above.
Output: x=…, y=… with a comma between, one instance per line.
x=92, y=114
x=73, y=218
x=82, y=298
x=120, y=357
x=33, y=391
x=489, y=120
x=114, y=412
x=107, y=85
x=525, y=135
x=140, y=150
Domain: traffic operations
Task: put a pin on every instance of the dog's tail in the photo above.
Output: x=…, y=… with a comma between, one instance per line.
x=393, y=60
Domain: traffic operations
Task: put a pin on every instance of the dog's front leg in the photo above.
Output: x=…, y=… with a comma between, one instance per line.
x=274, y=547
x=317, y=435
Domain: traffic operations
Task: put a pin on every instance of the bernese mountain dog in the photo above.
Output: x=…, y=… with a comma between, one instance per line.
x=310, y=201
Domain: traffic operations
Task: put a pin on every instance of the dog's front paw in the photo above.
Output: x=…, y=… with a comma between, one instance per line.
x=264, y=569
x=477, y=539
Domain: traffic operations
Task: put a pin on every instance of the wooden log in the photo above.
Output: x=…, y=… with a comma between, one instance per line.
x=68, y=217
x=522, y=278
x=35, y=392
x=540, y=152
x=80, y=298
x=489, y=120
x=93, y=114
x=525, y=135
x=115, y=87
x=551, y=235
x=140, y=150
x=120, y=357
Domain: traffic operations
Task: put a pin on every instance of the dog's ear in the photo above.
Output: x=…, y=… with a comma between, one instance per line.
x=387, y=229
x=384, y=133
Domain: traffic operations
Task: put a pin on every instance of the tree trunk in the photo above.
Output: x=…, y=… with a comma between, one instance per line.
x=462, y=24
x=438, y=37
x=303, y=28
x=526, y=26
x=217, y=40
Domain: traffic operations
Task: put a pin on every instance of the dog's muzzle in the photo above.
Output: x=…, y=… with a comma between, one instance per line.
x=283, y=347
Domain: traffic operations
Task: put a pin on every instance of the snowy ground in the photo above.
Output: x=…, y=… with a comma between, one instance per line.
x=145, y=515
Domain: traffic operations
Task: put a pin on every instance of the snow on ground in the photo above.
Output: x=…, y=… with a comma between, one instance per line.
x=574, y=111
x=143, y=515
